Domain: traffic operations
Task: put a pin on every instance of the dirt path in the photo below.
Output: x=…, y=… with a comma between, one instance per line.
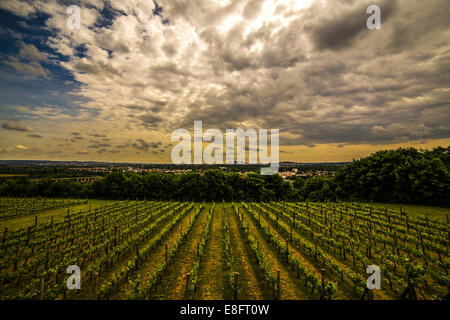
x=290, y=284
x=212, y=281
x=174, y=281
x=251, y=282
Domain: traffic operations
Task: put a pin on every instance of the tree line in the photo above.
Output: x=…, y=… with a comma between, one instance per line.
x=405, y=175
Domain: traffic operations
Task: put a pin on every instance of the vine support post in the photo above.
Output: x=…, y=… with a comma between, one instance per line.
x=259, y=215
x=236, y=277
x=41, y=289
x=4, y=234
x=421, y=243
x=188, y=283
x=322, y=294
x=137, y=253
x=94, y=289
x=166, y=252
x=278, y=285
x=293, y=218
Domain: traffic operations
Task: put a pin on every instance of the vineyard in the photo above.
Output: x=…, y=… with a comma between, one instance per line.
x=245, y=250
x=13, y=207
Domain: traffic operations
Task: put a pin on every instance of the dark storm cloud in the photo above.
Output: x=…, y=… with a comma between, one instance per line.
x=353, y=95
x=150, y=120
x=16, y=126
x=99, y=145
x=100, y=151
x=96, y=135
x=419, y=22
x=37, y=136
x=141, y=144
x=343, y=26
x=317, y=74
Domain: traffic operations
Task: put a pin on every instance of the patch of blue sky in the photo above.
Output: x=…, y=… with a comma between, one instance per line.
x=21, y=89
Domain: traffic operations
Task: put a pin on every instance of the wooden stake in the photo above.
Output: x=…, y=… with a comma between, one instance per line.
x=41, y=289
x=291, y=231
x=94, y=289
x=137, y=252
x=5, y=233
x=278, y=284
x=188, y=283
x=322, y=294
x=236, y=277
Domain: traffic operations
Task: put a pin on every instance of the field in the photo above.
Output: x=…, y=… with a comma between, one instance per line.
x=185, y=250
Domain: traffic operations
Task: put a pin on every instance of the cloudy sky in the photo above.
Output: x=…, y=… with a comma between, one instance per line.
x=136, y=70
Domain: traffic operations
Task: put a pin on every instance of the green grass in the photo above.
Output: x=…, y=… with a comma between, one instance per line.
x=417, y=210
x=58, y=215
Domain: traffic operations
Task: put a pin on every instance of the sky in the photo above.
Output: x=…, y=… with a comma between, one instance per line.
x=117, y=87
